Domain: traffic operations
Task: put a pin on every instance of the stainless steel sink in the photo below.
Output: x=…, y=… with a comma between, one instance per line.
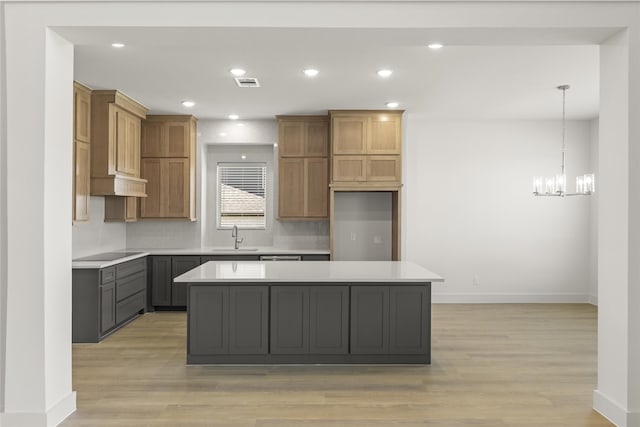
x=234, y=250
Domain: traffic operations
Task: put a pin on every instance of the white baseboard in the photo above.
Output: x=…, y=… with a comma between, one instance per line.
x=505, y=298
x=54, y=416
x=611, y=410
x=593, y=300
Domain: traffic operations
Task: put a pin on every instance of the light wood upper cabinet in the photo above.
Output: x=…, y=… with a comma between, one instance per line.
x=169, y=166
x=303, y=177
x=349, y=134
x=115, y=144
x=385, y=134
x=118, y=208
x=303, y=136
x=81, y=180
x=291, y=188
x=81, y=152
x=82, y=112
x=366, y=147
x=166, y=136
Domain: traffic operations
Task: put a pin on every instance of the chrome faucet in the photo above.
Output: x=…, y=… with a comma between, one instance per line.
x=234, y=234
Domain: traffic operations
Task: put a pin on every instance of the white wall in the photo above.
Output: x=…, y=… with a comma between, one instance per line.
x=469, y=209
x=95, y=236
x=593, y=216
x=362, y=226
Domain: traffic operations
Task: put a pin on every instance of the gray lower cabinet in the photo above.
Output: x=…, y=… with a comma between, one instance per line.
x=180, y=265
x=309, y=319
x=228, y=320
x=390, y=319
x=107, y=307
x=105, y=299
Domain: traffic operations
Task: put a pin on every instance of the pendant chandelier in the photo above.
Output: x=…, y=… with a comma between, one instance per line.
x=556, y=186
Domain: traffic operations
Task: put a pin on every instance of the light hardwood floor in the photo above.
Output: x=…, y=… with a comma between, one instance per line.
x=493, y=365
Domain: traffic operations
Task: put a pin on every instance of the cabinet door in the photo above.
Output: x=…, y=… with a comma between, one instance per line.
x=328, y=319
x=316, y=187
x=349, y=168
x=179, y=265
x=120, y=144
x=174, y=188
x=369, y=319
x=248, y=319
x=317, y=139
x=82, y=113
x=383, y=168
x=291, y=136
x=152, y=139
x=348, y=134
x=150, y=206
x=385, y=134
x=177, y=138
x=289, y=320
x=291, y=186
x=409, y=319
x=161, y=281
x=81, y=180
x=208, y=320
x=107, y=306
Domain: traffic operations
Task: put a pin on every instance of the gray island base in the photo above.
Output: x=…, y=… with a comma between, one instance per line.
x=329, y=312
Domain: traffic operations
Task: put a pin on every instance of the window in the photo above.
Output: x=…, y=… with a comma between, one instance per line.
x=241, y=195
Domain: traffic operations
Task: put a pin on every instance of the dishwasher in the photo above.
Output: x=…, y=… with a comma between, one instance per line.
x=280, y=258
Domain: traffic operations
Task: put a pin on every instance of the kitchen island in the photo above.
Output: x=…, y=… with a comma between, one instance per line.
x=251, y=312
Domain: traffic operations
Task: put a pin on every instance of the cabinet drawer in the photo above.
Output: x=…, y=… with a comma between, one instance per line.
x=130, y=285
x=129, y=307
x=107, y=275
x=131, y=267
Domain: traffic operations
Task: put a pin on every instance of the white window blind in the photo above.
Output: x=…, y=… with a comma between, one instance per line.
x=241, y=195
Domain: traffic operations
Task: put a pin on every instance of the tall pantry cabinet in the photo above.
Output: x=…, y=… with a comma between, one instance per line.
x=168, y=163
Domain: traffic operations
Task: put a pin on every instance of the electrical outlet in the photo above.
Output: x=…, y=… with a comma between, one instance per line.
x=476, y=280
x=377, y=240
x=353, y=236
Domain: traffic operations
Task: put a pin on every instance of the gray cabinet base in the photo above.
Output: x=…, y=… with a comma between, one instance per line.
x=309, y=359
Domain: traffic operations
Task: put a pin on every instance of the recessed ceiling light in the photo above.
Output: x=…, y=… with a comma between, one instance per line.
x=237, y=71
x=240, y=125
x=243, y=157
x=435, y=46
x=384, y=73
x=188, y=104
x=310, y=72
x=392, y=104
x=222, y=134
x=233, y=116
x=118, y=45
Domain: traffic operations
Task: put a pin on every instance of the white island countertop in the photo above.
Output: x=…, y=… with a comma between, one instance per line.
x=308, y=271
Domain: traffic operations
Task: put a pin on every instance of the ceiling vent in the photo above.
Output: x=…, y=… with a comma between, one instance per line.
x=247, y=82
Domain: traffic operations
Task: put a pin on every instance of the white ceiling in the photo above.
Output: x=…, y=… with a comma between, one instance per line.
x=478, y=74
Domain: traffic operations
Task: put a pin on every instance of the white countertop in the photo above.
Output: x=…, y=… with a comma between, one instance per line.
x=105, y=264
x=211, y=250
x=309, y=271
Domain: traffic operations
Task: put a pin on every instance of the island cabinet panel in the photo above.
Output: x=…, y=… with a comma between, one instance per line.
x=409, y=319
x=289, y=319
x=248, y=319
x=369, y=319
x=179, y=265
x=309, y=319
x=228, y=320
x=209, y=320
x=328, y=319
